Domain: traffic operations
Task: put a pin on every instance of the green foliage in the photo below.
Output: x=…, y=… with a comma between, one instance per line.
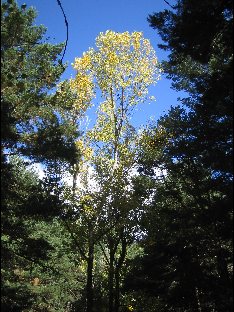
x=24, y=200
x=38, y=268
x=186, y=165
x=38, y=124
x=33, y=122
x=61, y=277
x=159, y=241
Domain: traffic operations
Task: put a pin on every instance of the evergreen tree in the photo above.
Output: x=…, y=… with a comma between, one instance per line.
x=189, y=242
x=33, y=119
x=36, y=124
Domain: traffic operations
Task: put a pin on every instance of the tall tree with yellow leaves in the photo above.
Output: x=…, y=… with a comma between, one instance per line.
x=120, y=68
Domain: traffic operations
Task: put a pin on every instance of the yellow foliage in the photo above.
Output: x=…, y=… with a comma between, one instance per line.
x=82, y=63
x=86, y=151
x=88, y=205
x=121, y=60
x=122, y=67
x=84, y=88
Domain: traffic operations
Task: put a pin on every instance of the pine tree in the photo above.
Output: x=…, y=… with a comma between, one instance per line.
x=190, y=215
x=36, y=126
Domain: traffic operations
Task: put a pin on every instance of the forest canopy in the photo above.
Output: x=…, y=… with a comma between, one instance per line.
x=123, y=219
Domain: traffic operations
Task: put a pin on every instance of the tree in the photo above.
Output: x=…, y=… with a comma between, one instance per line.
x=201, y=64
x=30, y=69
x=57, y=282
x=121, y=68
x=39, y=268
x=190, y=214
x=37, y=125
x=23, y=199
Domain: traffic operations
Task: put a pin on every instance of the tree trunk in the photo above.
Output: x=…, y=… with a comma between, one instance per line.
x=117, y=272
x=111, y=281
x=117, y=290
x=89, y=286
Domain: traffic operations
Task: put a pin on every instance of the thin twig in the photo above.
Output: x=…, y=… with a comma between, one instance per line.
x=173, y=7
x=65, y=19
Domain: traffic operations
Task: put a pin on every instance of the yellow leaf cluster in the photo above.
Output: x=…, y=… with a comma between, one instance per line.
x=87, y=205
x=82, y=63
x=85, y=150
x=121, y=60
x=122, y=67
x=84, y=88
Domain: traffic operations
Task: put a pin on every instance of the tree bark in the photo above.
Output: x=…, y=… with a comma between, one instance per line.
x=89, y=286
x=117, y=290
x=117, y=272
x=111, y=280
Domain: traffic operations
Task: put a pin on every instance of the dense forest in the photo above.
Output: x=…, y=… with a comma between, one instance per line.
x=145, y=222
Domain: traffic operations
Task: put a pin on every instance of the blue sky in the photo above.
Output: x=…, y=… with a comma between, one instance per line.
x=87, y=18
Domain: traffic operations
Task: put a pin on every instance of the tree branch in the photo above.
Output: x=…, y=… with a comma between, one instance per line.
x=173, y=7
x=76, y=242
x=66, y=23
x=104, y=253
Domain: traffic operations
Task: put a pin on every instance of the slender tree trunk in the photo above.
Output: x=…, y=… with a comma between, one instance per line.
x=74, y=177
x=117, y=290
x=118, y=270
x=89, y=286
x=111, y=280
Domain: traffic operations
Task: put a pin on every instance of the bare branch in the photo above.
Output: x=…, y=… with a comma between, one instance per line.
x=173, y=7
x=66, y=23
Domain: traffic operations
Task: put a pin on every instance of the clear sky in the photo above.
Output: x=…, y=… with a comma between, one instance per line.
x=87, y=18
